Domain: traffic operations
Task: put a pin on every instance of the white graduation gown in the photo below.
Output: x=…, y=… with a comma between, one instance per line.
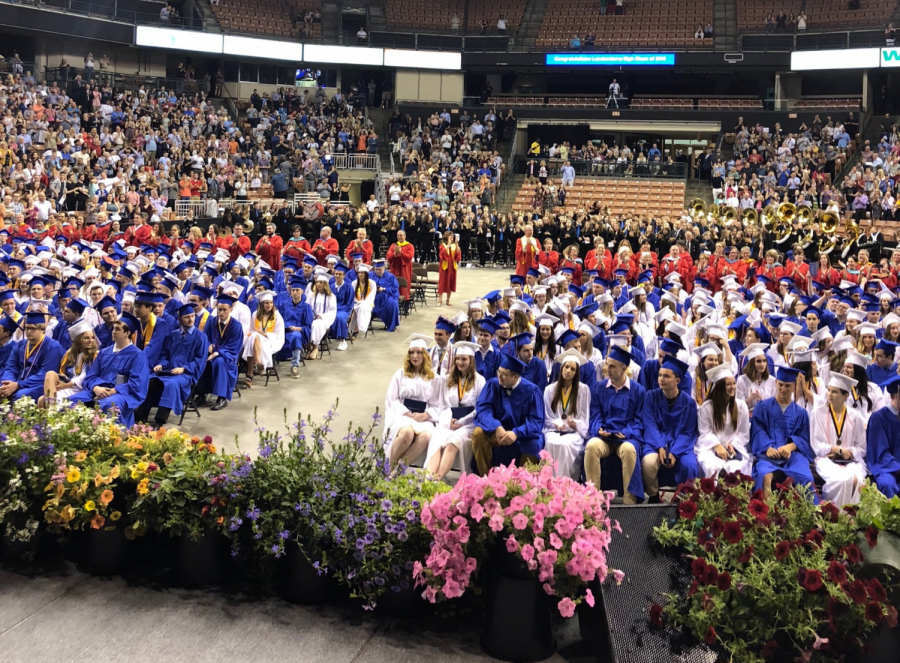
x=819, y=398
x=776, y=357
x=325, y=309
x=362, y=309
x=876, y=394
x=76, y=383
x=441, y=364
x=744, y=388
x=269, y=344
x=737, y=434
x=401, y=388
x=444, y=399
x=567, y=447
x=839, y=478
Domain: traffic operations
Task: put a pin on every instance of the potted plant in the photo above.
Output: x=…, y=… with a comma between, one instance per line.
x=185, y=500
x=774, y=576
x=548, y=537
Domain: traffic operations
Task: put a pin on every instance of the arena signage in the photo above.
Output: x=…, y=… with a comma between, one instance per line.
x=890, y=57
x=610, y=59
x=849, y=58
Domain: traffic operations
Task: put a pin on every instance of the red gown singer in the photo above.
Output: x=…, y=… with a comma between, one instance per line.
x=400, y=259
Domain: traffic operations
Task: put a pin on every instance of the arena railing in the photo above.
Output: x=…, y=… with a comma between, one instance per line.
x=357, y=161
x=66, y=76
x=659, y=169
x=811, y=41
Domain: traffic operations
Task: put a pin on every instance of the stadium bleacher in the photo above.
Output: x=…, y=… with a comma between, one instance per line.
x=638, y=195
x=276, y=18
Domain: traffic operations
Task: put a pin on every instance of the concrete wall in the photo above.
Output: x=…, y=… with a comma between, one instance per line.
x=150, y=62
x=429, y=86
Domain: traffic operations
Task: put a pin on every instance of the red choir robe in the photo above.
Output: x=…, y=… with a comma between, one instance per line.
x=449, y=262
x=269, y=249
x=365, y=247
x=527, y=250
x=550, y=260
x=400, y=259
x=324, y=248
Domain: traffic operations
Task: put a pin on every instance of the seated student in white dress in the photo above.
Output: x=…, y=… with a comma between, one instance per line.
x=567, y=415
x=265, y=338
x=724, y=424
x=838, y=438
x=586, y=333
x=709, y=355
x=810, y=391
x=409, y=412
x=865, y=397
x=756, y=384
x=324, y=306
x=455, y=396
x=364, y=291
x=74, y=366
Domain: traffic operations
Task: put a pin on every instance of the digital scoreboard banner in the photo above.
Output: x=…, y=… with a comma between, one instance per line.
x=610, y=59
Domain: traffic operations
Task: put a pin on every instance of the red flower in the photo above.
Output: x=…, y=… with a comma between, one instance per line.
x=876, y=591
x=723, y=582
x=891, y=618
x=733, y=532
x=874, y=613
x=769, y=649
x=747, y=555
x=656, y=615
x=782, y=550
x=759, y=509
x=693, y=588
x=835, y=608
x=687, y=510
x=732, y=480
x=814, y=538
x=852, y=553
x=716, y=527
x=698, y=566
x=787, y=484
x=812, y=580
x=830, y=511
x=710, y=575
x=872, y=536
x=702, y=537
x=856, y=590
x=710, y=638
x=708, y=486
x=837, y=573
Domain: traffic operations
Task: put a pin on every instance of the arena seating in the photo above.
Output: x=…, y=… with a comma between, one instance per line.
x=277, y=18
x=834, y=13
x=424, y=14
x=511, y=9
x=645, y=23
x=829, y=104
x=743, y=104
x=638, y=195
x=648, y=102
x=751, y=17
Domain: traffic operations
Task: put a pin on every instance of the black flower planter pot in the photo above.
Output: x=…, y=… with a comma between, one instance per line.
x=299, y=582
x=104, y=552
x=518, y=622
x=200, y=563
x=592, y=623
x=403, y=604
x=17, y=553
x=882, y=562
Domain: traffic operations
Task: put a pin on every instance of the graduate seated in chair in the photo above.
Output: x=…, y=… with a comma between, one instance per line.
x=883, y=441
x=838, y=438
x=29, y=360
x=118, y=377
x=224, y=338
x=509, y=419
x=669, y=417
x=180, y=365
x=387, y=296
x=779, y=436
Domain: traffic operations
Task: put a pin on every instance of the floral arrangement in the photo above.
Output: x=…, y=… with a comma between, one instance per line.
x=558, y=528
x=878, y=511
x=772, y=575
x=31, y=444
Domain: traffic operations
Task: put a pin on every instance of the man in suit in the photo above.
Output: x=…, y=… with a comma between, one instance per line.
x=691, y=245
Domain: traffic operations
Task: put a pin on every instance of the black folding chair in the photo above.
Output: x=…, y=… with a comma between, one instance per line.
x=189, y=405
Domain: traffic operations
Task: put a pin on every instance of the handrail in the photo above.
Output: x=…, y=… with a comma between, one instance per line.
x=357, y=161
x=607, y=168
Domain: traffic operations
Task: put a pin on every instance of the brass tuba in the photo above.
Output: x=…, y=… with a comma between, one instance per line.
x=769, y=218
x=787, y=212
x=749, y=217
x=852, y=231
x=804, y=215
x=729, y=216
x=697, y=207
x=828, y=222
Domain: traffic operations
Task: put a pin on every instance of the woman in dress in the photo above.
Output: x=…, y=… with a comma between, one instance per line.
x=723, y=422
x=865, y=397
x=74, y=366
x=363, y=301
x=409, y=412
x=567, y=411
x=709, y=357
x=265, y=338
x=545, y=340
x=455, y=397
x=449, y=258
x=324, y=306
x=756, y=383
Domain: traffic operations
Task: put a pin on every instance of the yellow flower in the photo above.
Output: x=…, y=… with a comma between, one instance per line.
x=67, y=513
x=80, y=457
x=98, y=480
x=73, y=475
x=212, y=448
x=115, y=515
x=114, y=473
x=142, y=467
x=89, y=505
x=167, y=458
x=134, y=473
x=143, y=486
x=106, y=497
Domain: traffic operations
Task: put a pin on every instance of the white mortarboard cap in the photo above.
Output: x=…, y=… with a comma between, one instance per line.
x=720, y=372
x=571, y=355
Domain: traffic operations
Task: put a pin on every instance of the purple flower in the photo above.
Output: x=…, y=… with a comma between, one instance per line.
x=235, y=523
x=403, y=536
x=283, y=535
x=387, y=505
x=379, y=581
x=22, y=459
x=253, y=514
x=411, y=515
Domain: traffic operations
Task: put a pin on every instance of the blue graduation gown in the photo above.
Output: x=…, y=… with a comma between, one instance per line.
x=104, y=335
x=387, y=303
x=220, y=374
x=522, y=412
x=128, y=366
x=153, y=348
x=187, y=351
x=61, y=335
x=877, y=374
x=344, y=296
x=29, y=374
x=619, y=412
x=486, y=364
x=535, y=373
x=649, y=375
x=883, y=450
x=295, y=315
x=771, y=428
x=672, y=428
x=6, y=351
x=587, y=374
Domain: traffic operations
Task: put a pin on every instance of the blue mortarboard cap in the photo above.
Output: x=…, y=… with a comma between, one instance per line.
x=675, y=365
x=670, y=347
x=891, y=385
x=567, y=270
x=493, y=296
x=762, y=278
x=872, y=308
x=567, y=337
x=866, y=297
x=887, y=346
x=310, y=260
x=515, y=279
x=202, y=292
x=849, y=302
x=187, y=245
x=627, y=318
x=35, y=318
x=7, y=294
x=787, y=280
x=185, y=309
x=619, y=327
x=379, y=262
x=786, y=374
x=807, y=299
x=520, y=340
x=620, y=354
x=206, y=246
x=502, y=317
x=106, y=302
x=289, y=262
x=738, y=322
x=8, y=324
x=130, y=321
x=855, y=290
x=647, y=277
x=298, y=282
x=38, y=280
x=606, y=283
x=818, y=285
x=814, y=311
x=341, y=267
x=488, y=325
x=144, y=297
x=587, y=310
x=701, y=282
x=445, y=325
x=511, y=363
x=576, y=290
x=226, y=299
x=356, y=256
x=77, y=306
x=533, y=272
x=621, y=272
x=15, y=262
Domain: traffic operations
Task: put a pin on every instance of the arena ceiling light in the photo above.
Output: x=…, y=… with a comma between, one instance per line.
x=179, y=40
x=610, y=59
x=422, y=59
x=263, y=48
x=373, y=57
x=850, y=58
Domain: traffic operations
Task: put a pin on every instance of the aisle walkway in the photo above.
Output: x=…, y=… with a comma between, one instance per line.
x=359, y=377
